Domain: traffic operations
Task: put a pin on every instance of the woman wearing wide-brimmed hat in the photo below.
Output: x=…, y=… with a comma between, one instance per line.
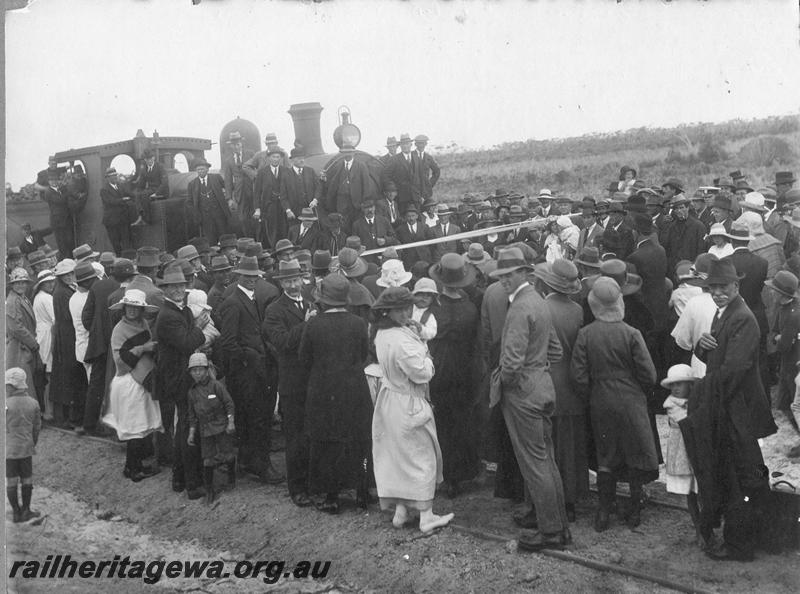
x=132, y=412
x=405, y=447
x=612, y=367
x=338, y=410
x=453, y=388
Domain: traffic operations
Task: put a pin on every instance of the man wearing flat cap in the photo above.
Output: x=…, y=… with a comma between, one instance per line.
x=208, y=203
x=238, y=185
x=426, y=170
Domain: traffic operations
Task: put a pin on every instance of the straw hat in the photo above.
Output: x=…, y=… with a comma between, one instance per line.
x=678, y=373
x=135, y=298
x=43, y=277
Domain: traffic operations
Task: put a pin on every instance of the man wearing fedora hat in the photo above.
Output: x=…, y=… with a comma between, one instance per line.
x=753, y=269
x=391, y=150
x=238, y=186
x=149, y=182
x=374, y=230
x=523, y=387
x=272, y=208
x=426, y=170
x=116, y=200
x=208, y=204
x=730, y=403
x=784, y=180
x=557, y=282
x=301, y=183
x=32, y=240
x=251, y=370
x=307, y=234
x=443, y=228
x=348, y=185
x=400, y=170
x=64, y=208
x=284, y=322
x=177, y=337
x=386, y=204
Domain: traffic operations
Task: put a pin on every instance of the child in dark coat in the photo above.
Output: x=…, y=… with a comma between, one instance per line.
x=211, y=412
x=23, y=424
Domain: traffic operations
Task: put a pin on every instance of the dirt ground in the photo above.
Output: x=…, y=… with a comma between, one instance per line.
x=91, y=512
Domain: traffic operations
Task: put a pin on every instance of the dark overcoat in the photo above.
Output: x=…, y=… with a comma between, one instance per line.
x=177, y=338
x=334, y=348
x=283, y=327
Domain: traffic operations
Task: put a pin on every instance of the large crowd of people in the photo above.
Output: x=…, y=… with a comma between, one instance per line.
x=540, y=352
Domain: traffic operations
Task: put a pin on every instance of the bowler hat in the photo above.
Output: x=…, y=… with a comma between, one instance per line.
x=561, y=276
x=475, y=254
x=333, y=290
x=289, y=269
x=220, y=264
x=394, y=298
x=84, y=271
x=451, y=271
x=351, y=265
x=722, y=272
x=784, y=282
x=784, y=177
x=248, y=266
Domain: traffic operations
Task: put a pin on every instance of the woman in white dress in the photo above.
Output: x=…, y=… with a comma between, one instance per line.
x=405, y=449
x=45, y=318
x=132, y=412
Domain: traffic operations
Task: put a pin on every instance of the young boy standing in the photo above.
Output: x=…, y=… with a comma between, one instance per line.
x=211, y=412
x=23, y=423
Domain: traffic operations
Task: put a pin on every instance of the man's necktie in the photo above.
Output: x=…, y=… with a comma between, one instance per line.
x=237, y=158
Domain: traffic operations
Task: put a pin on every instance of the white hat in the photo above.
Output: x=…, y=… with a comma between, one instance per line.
x=65, y=266
x=678, y=373
x=717, y=229
x=753, y=201
x=19, y=275
x=393, y=274
x=545, y=193
x=564, y=221
x=425, y=285
x=198, y=360
x=16, y=377
x=43, y=277
x=136, y=298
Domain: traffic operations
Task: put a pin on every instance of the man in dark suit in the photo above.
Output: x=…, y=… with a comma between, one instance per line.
x=308, y=234
x=426, y=170
x=116, y=200
x=272, y=207
x=442, y=229
x=63, y=213
x=701, y=211
x=386, y=205
x=400, y=171
x=411, y=231
x=373, y=229
x=177, y=336
x=283, y=326
x=727, y=415
x=96, y=319
x=150, y=180
x=246, y=358
x=208, y=204
x=684, y=237
x=333, y=237
x=300, y=183
x=348, y=184
x=391, y=148
x=32, y=240
x=618, y=231
x=238, y=186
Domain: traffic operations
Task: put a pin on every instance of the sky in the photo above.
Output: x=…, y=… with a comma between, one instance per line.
x=475, y=73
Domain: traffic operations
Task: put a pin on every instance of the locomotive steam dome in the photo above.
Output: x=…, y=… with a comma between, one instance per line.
x=251, y=137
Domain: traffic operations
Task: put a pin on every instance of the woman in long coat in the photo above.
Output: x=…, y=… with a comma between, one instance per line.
x=405, y=449
x=338, y=405
x=454, y=387
x=611, y=364
x=22, y=350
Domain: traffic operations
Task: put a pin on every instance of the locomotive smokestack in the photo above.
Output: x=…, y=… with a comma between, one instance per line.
x=306, y=120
